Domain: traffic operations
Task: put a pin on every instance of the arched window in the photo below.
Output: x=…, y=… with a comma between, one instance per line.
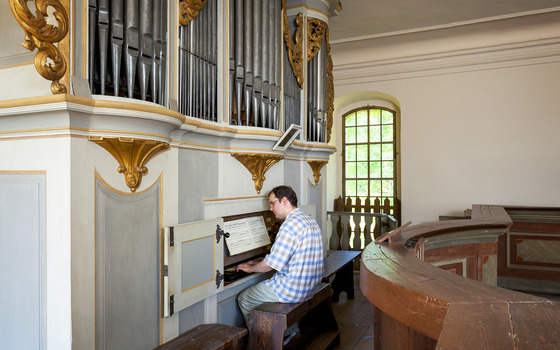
x=369, y=156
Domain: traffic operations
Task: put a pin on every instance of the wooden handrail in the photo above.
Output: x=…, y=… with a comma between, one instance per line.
x=430, y=307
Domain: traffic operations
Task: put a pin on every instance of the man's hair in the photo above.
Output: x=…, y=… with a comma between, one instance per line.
x=285, y=191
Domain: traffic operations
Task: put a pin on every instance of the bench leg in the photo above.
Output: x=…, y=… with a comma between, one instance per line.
x=267, y=331
x=343, y=282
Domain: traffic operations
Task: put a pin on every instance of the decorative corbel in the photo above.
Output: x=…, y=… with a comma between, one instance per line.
x=132, y=156
x=316, y=166
x=51, y=41
x=257, y=164
x=189, y=9
x=295, y=50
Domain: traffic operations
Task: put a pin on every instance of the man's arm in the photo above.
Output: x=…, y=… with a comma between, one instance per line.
x=254, y=266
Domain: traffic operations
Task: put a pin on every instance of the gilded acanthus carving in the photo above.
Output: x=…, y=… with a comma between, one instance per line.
x=132, y=156
x=295, y=50
x=50, y=41
x=316, y=166
x=257, y=164
x=189, y=9
x=316, y=30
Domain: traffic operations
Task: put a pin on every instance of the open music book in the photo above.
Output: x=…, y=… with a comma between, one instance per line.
x=246, y=234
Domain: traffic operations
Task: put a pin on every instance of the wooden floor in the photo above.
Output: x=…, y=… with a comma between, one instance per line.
x=355, y=320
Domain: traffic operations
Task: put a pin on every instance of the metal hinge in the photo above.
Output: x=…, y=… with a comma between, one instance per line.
x=220, y=233
x=219, y=278
x=171, y=237
x=171, y=305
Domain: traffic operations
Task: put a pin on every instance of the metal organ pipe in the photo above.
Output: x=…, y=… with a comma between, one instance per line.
x=137, y=30
x=257, y=53
x=92, y=22
x=255, y=44
x=248, y=60
x=198, y=64
x=239, y=51
x=131, y=44
x=156, y=50
x=264, y=62
x=146, y=45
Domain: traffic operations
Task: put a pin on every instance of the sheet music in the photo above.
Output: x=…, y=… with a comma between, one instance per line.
x=246, y=234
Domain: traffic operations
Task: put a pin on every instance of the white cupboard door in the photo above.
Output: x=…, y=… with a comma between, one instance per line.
x=194, y=263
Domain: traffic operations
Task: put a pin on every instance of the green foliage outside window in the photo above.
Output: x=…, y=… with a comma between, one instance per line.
x=369, y=154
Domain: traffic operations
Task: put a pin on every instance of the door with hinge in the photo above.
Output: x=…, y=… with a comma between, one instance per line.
x=194, y=263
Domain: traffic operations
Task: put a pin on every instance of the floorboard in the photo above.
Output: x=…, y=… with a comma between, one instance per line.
x=355, y=320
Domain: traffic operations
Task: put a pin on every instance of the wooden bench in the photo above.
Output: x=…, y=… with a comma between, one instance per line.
x=340, y=264
x=317, y=324
x=207, y=337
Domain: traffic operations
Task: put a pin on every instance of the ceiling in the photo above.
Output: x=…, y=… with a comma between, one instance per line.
x=364, y=19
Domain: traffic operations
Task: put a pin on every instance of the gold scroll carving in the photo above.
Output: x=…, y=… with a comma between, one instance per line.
x=189, y=9
x=316, y=30
x=50, y=41
x=257, y=164
x=295, y=49
x=132, y=156
x=316, y=166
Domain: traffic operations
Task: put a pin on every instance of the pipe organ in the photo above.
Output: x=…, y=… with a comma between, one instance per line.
x=264, y=49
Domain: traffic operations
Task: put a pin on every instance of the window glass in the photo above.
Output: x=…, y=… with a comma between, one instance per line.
x=370, y=153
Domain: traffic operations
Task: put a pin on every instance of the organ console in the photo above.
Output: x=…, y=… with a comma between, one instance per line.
x=232, y=260
x=198, y=262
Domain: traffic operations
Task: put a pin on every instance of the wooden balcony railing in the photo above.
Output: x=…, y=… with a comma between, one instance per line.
x=369, y=205
x=354, y=230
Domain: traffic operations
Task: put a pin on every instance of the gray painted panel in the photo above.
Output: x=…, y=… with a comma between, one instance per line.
x=292, y=176
x=229, y=313
x=127, y=269
x=192, y=317
x=192, y=254
x=315, y=196
x=198, y=179
x=22, y=261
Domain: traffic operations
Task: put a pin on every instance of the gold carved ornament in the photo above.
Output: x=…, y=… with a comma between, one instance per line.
x=132, y=156
x=316, y=166
x=316, y=30
x=50, y=59
x=295, y=50
x=189, y=9
x=257, y=164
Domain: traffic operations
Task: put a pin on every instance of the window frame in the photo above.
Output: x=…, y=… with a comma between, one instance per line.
x=395, y=143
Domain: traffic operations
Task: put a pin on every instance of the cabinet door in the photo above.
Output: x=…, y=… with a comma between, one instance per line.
x=194, y=263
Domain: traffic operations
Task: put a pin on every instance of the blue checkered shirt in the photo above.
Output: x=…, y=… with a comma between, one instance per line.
x=297, y=256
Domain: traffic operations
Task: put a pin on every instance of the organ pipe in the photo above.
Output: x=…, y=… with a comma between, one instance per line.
x=127, y=50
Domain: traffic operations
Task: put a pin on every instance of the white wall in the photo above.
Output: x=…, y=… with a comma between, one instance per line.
x=478, y=125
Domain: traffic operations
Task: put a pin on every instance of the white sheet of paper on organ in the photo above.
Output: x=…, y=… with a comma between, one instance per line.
x=246, y=234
